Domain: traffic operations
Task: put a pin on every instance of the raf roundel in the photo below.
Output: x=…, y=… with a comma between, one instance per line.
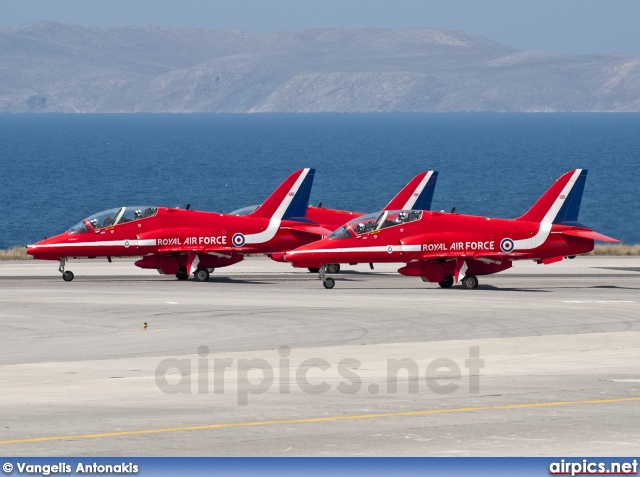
x=506, y=245
x=238, y=240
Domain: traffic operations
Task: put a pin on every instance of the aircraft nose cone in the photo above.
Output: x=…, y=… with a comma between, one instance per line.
x=30, y=249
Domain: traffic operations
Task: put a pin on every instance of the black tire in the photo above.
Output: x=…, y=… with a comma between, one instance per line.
x=329, y=283
x=67, y=276
x=201, y=275
x=182, y=274
x=447, y=282
x=313, y=270
x=333, y=268
x=470, y=282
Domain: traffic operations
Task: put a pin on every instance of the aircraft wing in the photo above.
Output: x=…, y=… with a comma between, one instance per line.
x=219, y=251
x=453, y=255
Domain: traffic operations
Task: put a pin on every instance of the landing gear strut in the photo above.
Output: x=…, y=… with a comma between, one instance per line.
x=66, y=276
x=328, y=282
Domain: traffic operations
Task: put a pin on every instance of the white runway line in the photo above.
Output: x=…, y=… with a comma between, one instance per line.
x=598, y=301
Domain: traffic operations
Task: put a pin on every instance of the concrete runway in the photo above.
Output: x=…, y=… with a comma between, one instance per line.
x=559, y=344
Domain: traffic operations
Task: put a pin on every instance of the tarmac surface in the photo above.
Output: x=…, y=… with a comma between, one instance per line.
x=262, y=360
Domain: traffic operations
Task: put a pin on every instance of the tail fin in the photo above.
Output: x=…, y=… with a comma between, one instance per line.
x=561, y=203
x=417, y=194
x=290, y=200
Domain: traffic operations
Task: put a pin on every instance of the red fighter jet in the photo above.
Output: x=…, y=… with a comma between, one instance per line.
x=180, y=242
x=441, y=247
x=177, y=241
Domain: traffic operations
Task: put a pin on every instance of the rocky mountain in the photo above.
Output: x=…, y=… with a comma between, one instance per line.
x=54, y=67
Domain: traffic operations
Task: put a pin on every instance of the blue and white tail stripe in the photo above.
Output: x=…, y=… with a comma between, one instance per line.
x=423, y=195
x=570, y=208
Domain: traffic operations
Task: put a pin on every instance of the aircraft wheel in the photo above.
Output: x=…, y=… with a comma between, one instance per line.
x=201, y=275
x=313, y=270
x=470, y=282
x=329, y=283
x=333, y=268
x=67, y=276
x=447, y=282
x=182, y=274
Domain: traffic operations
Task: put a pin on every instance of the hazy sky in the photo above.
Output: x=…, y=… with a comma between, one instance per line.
x=559, y=26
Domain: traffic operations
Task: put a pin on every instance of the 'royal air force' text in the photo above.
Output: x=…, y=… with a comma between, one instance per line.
x=457, y=246
x=217, y=240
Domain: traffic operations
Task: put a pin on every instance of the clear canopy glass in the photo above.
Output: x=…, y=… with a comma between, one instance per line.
x=113, y=217
x=376, y=221
x=245, y=210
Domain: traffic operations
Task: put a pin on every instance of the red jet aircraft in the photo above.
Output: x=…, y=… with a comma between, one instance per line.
x=441, y=247
x=176, y=241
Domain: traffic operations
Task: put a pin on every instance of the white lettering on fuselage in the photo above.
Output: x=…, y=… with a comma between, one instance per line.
x=457, y=246
x=213, y=240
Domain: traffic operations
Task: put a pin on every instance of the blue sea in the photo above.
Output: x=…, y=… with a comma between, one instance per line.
x=58, y=169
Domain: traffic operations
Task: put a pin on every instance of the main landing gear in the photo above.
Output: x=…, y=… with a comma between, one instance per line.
x=328, y=282
x=470, y=282
x=68, y=275
x=200, y=275
x=331, y=268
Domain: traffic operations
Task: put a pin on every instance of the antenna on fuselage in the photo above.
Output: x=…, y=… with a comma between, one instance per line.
x=188, y=207
x=320, y=205
x=453, y=211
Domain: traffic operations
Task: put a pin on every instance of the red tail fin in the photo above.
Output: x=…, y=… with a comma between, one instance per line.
x=417, y=194
x=561, y=203
x=290, y=199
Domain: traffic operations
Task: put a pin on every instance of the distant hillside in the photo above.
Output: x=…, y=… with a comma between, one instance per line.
x=54, y=67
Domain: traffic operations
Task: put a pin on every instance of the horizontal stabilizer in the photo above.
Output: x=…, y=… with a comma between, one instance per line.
x=309, y=229
x=589, y=234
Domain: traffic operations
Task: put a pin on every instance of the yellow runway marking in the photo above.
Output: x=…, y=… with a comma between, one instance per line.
x=318, y=419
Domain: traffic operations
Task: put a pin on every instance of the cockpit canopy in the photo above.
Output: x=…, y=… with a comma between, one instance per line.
x=376, y=221
x=113, y=217
x=245, y=210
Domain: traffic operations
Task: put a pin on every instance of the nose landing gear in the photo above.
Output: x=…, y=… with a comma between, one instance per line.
x=68, y=275
x=328, y=282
